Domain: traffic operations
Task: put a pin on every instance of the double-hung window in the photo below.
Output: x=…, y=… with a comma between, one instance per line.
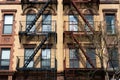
x=8, y=24
x=73, y=23
x=30, y=18
x=92, y=55
x=46, y=23
x=5, y=58
x=74, y=61
x=110, y=23
x=28, y=53
x=113, y=58
x=46, y=58
x=90, y=19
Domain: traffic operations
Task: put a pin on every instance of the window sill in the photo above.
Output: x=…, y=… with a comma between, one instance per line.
x=7, y=34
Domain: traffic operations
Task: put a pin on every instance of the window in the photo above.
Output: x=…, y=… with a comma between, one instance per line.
x=46, y=24
x=73, y=23
x=30, y=18
x=110, y=23
x=90, y=19
x=8, y=23
x=28, y=53
x=113, y=58
x=46, y=58
x=92, y=55
x=74, y=61
x=5, y=58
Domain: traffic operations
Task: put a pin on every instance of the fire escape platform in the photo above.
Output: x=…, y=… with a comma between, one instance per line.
x=94, y=74
x=36, y=69
x=37, y=2
x=69, y=72
x=81, y=32
x=6, y=72
x=80, y=1
x=35, y=33
x=84, y=69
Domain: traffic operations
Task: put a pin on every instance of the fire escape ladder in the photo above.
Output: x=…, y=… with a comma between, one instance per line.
x=87, y=57
x=82, y=16
x=36, y=50
x=40, y=12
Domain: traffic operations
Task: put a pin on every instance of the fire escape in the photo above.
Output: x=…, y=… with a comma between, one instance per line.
x=77, y=39
x=41, y=39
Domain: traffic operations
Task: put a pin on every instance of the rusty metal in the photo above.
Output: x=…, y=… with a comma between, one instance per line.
x=87, y=58
x=87, y=23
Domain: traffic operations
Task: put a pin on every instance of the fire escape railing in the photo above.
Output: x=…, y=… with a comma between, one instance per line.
x=36, y=63
x=82, y=16
x=38, y=27
x=89, y=26
x=28, y=30
x=36, y=50
x=37, y=16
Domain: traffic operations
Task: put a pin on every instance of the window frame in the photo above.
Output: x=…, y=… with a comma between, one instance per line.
x=11, y=25
x=48, y=59
x=115, y=58
x=74, y=59
x=32, y=61
x=5, y=67
x=91, y=22
x=46, y=23
x=110, y=11
x=93, y=59
x=73, y=23
x=33, y=29
x=112, y=26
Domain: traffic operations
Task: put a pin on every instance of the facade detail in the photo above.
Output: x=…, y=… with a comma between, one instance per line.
x=59, y=40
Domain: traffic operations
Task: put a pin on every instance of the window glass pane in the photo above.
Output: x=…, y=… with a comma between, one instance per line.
x=5, y=54
x=5, y=58
x=73, y=23
x=28, y=53
x=74, y=63
x=7, y=29
x=46, y=54
x=110, y=23
x=46, y=28
x=73, y=54
x=8, y=23
x=113, y=58
x=30, y=18
x=46, y=63
x=46, y=58
x=74, y=60
x=46, y=18
x=8, y=19
x=90, y=19
x=92, y=55
x=46, y=24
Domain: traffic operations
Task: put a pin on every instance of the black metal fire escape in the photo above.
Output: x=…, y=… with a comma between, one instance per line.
x=47, y=34
x=89, y=26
